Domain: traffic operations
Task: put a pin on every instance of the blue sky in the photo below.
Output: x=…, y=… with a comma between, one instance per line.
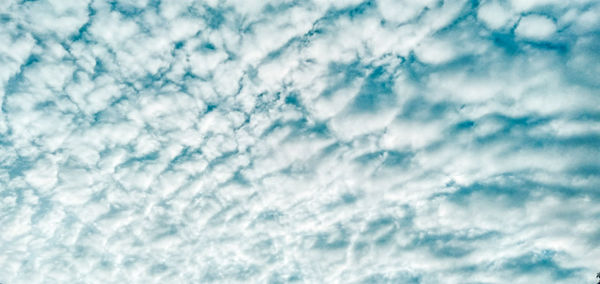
x=329, y=141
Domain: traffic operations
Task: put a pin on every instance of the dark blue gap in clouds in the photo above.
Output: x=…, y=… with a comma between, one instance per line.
x=299, y=128
x=213, y=17
x=386, y=158
x=450, y=245
x=420, y=109
x=352, y=12
x=18, y=167
x=293, y=98
x=539, y=262
x=15, y=83
x=274, y=8
x=82, y=32
x=342, y=75
x=520, y=133
x=127, y=11
x=376, y=93
x=337, y=239
x=384, y=229
x=513, y=190
x=140, y=160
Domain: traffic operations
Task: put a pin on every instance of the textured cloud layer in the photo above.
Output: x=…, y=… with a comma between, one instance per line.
x=148, y=141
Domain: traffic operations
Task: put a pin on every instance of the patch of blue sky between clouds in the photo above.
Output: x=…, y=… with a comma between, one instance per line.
x=330, y=141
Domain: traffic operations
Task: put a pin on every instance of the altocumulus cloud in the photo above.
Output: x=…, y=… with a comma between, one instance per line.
x=323, y=141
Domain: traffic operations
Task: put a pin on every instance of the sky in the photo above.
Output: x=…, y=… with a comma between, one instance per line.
x=299, y=141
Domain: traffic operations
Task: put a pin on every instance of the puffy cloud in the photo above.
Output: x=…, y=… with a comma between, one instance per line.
x=312, y=141
x=494, y=14
x=535, y=27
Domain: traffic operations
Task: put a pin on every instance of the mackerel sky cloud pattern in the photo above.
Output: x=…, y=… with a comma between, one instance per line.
x=318, y=141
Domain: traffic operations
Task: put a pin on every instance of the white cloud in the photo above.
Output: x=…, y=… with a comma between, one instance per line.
x=494, y=14
x=273, y=141
x=402, y=11
x=44, y=175
x=535, y=27
x=435, y=52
